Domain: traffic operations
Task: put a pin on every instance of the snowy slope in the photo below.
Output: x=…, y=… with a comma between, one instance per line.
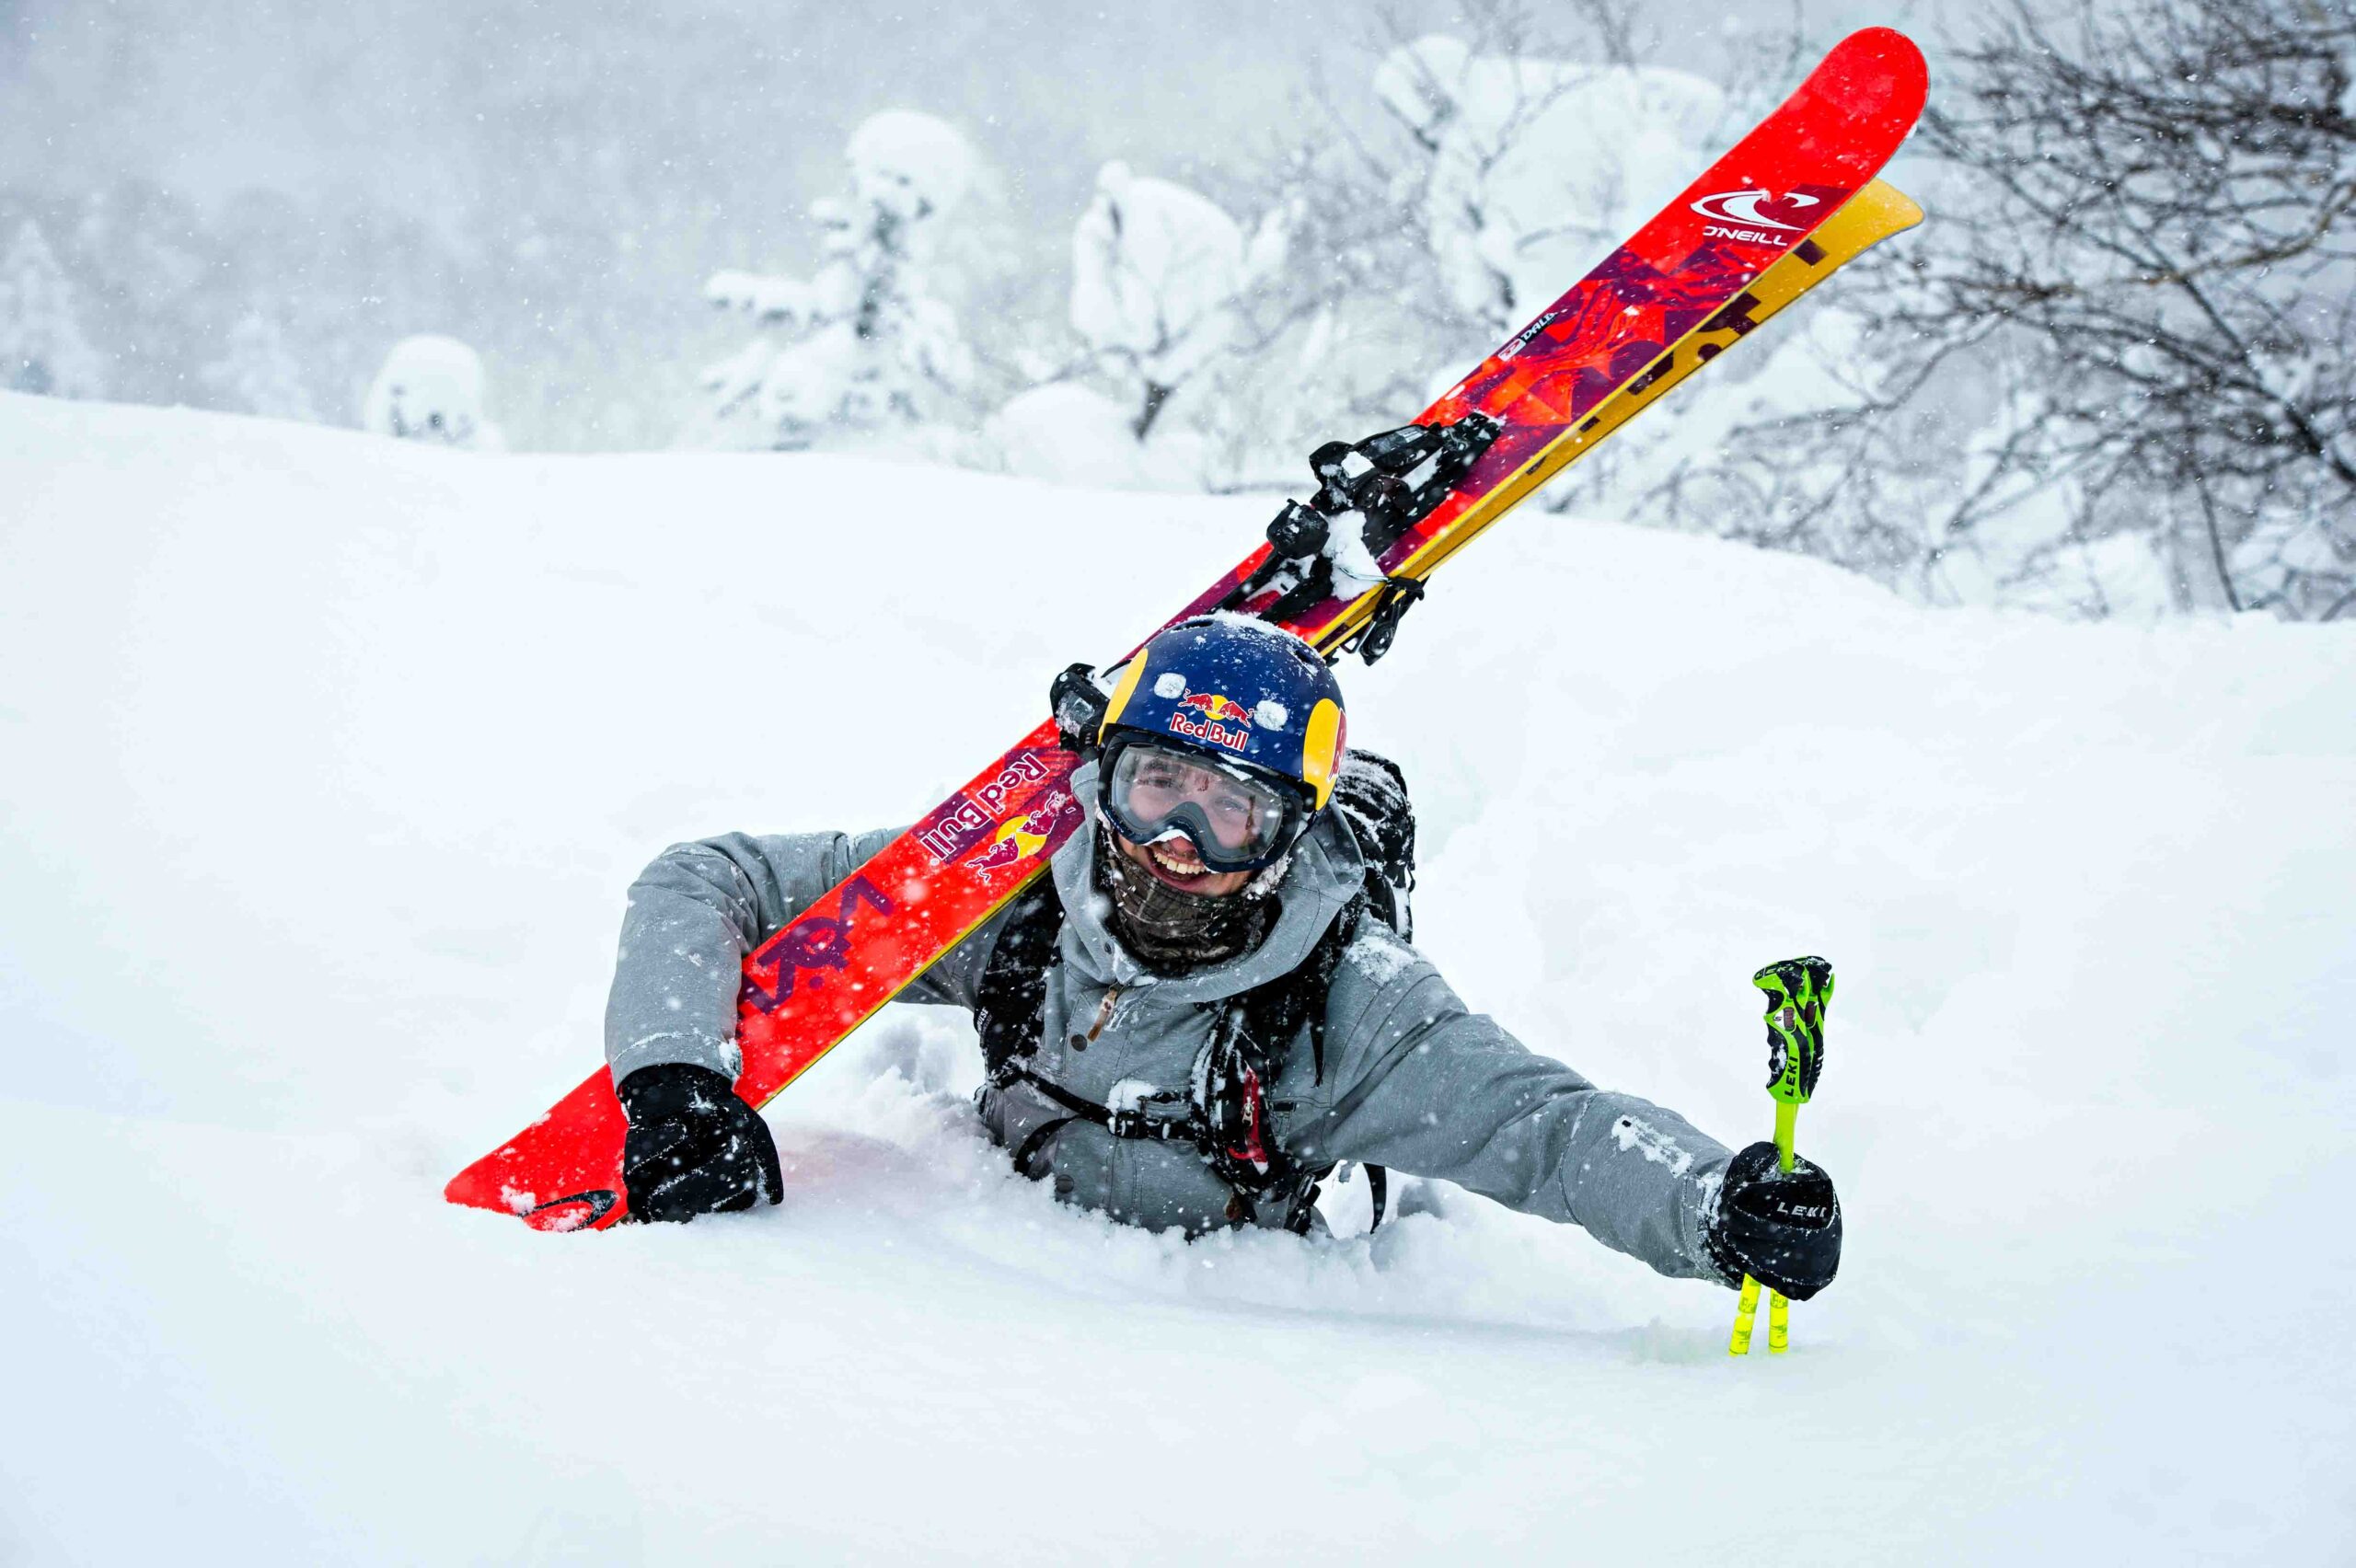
x=327, y=761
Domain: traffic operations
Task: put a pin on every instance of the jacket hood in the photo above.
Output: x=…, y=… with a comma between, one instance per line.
x=1321, y=876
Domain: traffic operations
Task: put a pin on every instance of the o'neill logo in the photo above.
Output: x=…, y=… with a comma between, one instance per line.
x=1734, y=215
x=1528, y=334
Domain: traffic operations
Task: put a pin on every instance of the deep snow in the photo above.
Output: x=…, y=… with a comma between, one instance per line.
x=327, y=761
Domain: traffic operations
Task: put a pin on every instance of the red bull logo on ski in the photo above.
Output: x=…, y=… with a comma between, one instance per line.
x=974, y=815
x=1024, y=837
x=1208, y=716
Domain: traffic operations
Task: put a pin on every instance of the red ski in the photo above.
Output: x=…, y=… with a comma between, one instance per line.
x=1792, y=202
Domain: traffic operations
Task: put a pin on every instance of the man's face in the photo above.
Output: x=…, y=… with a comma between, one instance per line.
x=1173, y=860
x=1156, y=799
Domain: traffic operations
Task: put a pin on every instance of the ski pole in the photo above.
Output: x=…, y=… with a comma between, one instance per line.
x=1799, y=992
x=1746, y=1310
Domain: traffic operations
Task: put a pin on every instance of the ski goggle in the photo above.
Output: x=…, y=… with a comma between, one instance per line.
x=1236, y=820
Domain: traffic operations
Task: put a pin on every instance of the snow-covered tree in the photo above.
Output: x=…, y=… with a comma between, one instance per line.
x=1508, y=173
x=41, y=345
x=868, y=345
x=1159, y=273
x=1160, y=277
x=430, y=389
x=1069, y=433
x=1533, y=169
x=258, y=373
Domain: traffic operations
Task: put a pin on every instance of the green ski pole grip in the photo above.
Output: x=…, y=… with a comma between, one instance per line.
x=1799, y=992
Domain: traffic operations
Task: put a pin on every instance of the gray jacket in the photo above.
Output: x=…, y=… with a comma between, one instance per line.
x=1413, y=1080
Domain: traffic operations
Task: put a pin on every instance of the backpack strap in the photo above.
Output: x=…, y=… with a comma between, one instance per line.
x=1011, y=999
x=1370, y=793
x=1270, y=1019
x=1274, y=1014
x=1037, y=1141
x=1228, y=1119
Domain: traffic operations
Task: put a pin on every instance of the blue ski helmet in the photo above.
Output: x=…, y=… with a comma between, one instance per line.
x=1255, y=704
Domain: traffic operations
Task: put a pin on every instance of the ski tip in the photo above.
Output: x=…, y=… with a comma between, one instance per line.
x=1887, y=42
x=489, y=1183
x=1898, y=211
x=1904, y=77
x=477, y=1186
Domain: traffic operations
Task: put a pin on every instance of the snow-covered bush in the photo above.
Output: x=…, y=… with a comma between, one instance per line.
x=1160, y=277
x=1507, y=175
x=868, y=345
x=432, y=389
x=1533, y=169
x=1159, y=273
x=1071, y=434
x=41, y=345
x=257, y=372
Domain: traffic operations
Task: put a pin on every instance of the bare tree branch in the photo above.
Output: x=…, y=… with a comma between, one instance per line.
x=2144, y=283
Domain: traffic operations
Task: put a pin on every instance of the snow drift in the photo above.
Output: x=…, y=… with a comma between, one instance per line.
x=328, y=761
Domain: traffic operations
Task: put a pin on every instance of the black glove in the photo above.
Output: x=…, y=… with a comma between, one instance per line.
x=693, y=1147
x=1781, y=1227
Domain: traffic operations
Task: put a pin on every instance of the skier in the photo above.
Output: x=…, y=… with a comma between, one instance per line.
x=1207, y=1004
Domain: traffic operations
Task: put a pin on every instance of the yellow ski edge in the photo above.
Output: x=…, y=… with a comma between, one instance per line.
x=1874, y=213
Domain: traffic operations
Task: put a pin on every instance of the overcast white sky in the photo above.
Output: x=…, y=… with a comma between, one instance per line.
x=429, y=102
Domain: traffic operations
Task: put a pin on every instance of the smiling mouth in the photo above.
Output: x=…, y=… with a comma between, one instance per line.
x=1180, y=871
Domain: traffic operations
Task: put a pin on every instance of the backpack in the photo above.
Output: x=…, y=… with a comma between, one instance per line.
x=1226, y=1118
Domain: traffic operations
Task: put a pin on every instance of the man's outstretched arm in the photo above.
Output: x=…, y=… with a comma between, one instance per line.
x=694, y=914
x=694, y=1147
x=1425, y=1087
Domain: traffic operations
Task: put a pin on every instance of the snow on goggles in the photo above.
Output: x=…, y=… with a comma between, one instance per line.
x=1236, y=822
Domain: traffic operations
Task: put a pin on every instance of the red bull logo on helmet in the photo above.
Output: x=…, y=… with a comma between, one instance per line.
x=1208, y=716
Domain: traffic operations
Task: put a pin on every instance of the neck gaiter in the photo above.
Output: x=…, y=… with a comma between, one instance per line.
x=1172, y=932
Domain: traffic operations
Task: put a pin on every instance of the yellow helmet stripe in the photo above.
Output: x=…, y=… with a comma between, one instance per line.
x=1121, y=693
x=1321, y=750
